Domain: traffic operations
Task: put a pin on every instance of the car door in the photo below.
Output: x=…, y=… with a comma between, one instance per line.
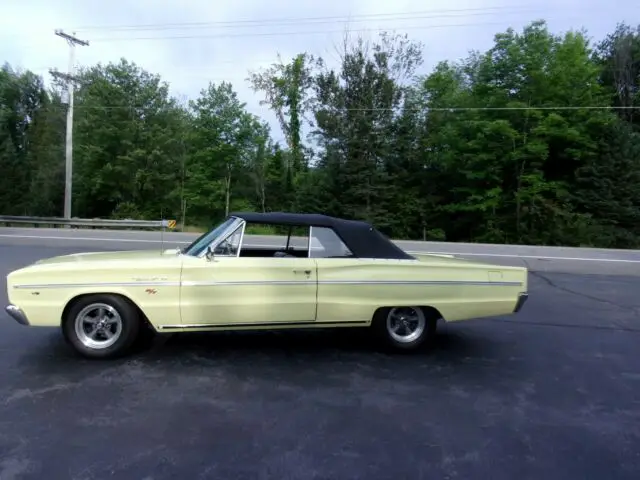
x=248, y=291
x=345, y=290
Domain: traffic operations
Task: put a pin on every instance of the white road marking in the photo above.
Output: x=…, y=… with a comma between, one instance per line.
x=536, y=257
x=91, y=239
x=169, y=243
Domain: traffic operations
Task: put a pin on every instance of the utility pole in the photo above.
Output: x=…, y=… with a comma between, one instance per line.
x=69, y=77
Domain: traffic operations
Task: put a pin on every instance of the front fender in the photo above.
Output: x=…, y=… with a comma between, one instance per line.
x=43, y=291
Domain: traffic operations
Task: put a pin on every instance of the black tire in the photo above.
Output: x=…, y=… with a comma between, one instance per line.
x=146, y=337
x=121, y=319
x=426, y=320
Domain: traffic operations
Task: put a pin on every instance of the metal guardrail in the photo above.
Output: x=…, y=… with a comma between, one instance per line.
x=86, y=222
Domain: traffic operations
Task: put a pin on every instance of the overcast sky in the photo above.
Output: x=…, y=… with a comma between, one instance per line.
x=225, y=39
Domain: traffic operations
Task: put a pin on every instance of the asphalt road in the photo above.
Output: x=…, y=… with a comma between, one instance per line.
x=553, y=392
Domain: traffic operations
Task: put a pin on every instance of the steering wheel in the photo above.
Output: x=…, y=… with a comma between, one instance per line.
x=225, y=248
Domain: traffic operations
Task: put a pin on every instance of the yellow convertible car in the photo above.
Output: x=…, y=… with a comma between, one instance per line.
x=326, y=272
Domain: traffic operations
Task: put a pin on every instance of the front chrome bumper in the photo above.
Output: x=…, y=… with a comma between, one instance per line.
x=522, y=298
x=17, y=314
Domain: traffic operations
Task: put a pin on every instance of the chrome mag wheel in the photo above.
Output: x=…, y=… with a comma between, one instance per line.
x=406, y=324
x=98, y=326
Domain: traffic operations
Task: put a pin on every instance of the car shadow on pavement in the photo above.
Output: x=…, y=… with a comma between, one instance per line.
x=452, y=345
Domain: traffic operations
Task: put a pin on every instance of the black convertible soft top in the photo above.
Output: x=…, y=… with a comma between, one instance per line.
x=361, y=238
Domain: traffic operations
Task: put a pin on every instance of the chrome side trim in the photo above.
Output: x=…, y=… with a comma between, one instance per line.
x=17, y=314
x=97, y=284
x=259, y=324
x=419, y=282
x=247, y=282
x=211, y=283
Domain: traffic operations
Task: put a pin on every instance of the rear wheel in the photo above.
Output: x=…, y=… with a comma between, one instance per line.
x=405, y=328
x=101, y=326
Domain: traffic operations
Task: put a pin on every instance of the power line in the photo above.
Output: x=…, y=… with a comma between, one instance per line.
x=371, y=16
x=381, y=109
x=298, y=32
x=301, y=20
x=287, y=34
x=592, y=107
x=434, y=13
x=191, y=72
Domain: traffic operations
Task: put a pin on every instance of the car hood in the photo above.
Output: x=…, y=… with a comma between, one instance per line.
x=107, y=256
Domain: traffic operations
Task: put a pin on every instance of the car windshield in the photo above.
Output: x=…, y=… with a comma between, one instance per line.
x=204, y=240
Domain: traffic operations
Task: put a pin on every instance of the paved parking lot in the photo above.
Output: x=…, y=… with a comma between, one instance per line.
x=551, y=393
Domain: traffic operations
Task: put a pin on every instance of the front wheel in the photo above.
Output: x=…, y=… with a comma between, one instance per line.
x=101, y=326
x=405, y=328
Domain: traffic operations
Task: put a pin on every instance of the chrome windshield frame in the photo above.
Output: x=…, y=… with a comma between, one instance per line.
x=226, y=233
x=233, y=224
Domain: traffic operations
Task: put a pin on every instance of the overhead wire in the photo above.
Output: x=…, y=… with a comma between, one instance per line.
x=291, y=33
x=407, y=15
x=434, y=13
x=318, y=20
x=391, y=16
x=400, y=109
x=263, y=21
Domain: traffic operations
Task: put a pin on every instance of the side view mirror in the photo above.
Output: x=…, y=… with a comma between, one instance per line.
x=209, y=255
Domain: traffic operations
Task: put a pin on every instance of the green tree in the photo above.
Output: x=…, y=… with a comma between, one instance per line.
x=28, y=145
x=287, y=90
x=618, y=55
x=223, y=143
x=508, y=158
x=516, y=144
x=128, y=144
x=356, y=114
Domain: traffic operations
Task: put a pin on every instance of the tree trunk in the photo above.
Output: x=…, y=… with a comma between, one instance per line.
x=227, y=199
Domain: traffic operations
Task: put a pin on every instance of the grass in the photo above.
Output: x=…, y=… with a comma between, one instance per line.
x=251, y=230
x=191, y=229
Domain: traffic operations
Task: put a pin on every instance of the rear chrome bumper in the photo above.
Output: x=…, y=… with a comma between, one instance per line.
x=17, y=314
x=522, y=298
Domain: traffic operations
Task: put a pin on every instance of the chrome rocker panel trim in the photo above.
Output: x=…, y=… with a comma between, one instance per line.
x=264, y=325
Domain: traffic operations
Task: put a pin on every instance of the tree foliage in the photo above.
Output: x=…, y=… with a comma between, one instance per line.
x=535, y=140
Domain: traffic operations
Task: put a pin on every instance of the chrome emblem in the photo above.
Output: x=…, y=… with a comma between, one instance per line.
x=149, y=279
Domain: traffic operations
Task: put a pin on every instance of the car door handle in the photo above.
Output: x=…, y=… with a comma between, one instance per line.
x=306, y=272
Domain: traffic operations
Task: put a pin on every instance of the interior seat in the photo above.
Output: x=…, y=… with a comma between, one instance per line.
x=282, y=254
